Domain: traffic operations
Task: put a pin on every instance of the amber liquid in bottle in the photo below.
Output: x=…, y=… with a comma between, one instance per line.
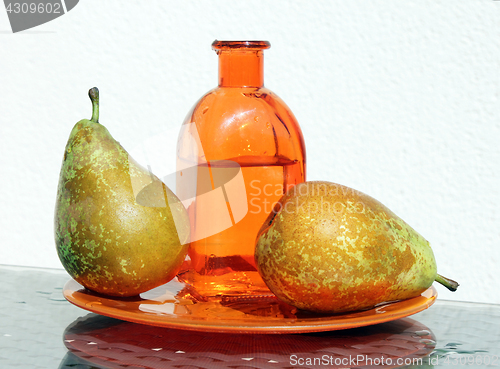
x=247, y=150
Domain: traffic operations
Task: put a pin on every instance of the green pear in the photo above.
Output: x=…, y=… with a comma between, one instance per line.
x=119, y=230
x=328, y=248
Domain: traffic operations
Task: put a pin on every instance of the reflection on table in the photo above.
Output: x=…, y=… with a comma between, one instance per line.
x=113, y=343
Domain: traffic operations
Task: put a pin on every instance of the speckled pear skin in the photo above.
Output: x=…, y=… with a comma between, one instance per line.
x=106, y=240
x=332, y=249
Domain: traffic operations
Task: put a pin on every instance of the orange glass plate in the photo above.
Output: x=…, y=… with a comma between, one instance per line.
x=175, y=305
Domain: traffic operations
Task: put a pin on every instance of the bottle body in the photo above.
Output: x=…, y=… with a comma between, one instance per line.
x=240, y=148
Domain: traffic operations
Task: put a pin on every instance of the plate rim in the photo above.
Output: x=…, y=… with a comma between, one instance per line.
x=416, y=304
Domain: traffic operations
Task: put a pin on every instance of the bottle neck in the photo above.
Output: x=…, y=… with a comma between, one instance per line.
x=241, y=68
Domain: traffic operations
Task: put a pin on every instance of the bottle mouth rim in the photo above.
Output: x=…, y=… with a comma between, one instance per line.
x=221, y=45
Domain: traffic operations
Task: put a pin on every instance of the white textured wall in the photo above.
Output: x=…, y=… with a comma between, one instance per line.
x=396, y=99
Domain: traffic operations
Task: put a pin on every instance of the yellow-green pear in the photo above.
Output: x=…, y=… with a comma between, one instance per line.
x=119, y=230
x=328, y=248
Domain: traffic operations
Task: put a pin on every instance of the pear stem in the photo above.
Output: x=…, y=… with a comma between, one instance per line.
x=448, y=283
x=94, y=97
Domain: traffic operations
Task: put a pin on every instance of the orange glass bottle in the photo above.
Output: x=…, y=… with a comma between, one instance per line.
x=239, y=149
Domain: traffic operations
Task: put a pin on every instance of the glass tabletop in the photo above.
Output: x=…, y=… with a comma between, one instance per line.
x=40, y=329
